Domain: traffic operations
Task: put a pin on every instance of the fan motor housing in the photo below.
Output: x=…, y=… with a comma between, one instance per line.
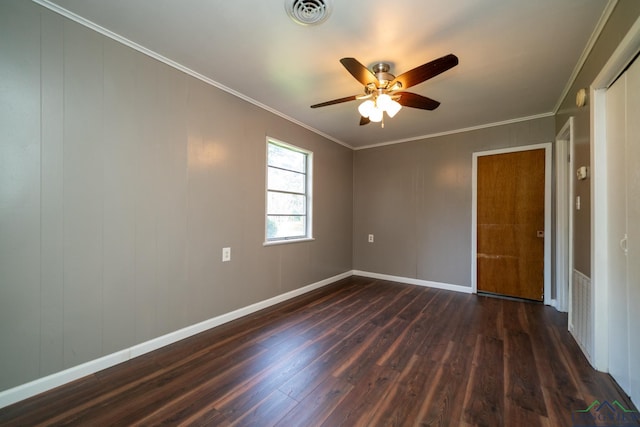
x=381, y=71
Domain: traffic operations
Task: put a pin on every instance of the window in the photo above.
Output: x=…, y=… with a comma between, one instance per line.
x=288, y=192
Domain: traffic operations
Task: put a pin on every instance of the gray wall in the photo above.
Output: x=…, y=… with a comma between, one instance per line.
x=415, y=198
x=121, y=179
x=623, y=16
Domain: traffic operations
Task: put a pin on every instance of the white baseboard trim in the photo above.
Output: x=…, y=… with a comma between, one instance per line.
x=418, y=282
x=24, y=391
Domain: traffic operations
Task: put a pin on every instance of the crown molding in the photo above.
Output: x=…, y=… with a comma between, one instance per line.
x=455, y=131
x=604, y=18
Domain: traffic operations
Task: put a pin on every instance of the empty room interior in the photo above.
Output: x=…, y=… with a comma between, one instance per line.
x=319, y=212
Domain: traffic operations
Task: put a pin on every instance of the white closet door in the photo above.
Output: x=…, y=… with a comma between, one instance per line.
x=617, y=229
x=623, y=244
x=633, y=225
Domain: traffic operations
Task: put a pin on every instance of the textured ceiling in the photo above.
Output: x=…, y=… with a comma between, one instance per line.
x=516, y=56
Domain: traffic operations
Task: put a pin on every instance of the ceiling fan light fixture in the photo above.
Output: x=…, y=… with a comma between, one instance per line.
x=383, y=101
x=392, y=108
x=376, y=115
x=366, y=108
x=308, y=12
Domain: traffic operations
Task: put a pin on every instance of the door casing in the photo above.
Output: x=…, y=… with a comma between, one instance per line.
x=564, y=218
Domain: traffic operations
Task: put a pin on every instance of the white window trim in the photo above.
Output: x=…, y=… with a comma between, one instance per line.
x=309, y=194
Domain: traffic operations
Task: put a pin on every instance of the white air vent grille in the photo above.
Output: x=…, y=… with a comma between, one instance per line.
x=308, y=12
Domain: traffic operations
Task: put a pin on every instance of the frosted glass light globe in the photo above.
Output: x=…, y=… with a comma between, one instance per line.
x=366, y=108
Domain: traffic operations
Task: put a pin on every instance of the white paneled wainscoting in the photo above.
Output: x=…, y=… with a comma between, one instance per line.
x=580, y=316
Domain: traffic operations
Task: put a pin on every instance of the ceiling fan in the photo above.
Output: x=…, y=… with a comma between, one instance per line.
x=383, y=91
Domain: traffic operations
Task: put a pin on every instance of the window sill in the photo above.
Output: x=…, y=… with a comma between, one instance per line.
x=286, y=241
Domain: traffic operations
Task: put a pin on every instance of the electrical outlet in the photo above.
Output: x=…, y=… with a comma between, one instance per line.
x=226, y=254
x=370, y=238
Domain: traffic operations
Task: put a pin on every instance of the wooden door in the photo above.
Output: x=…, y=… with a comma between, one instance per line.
x=510, y=224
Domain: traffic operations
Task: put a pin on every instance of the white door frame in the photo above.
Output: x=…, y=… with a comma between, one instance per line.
x=564, y=218
x=621, y=57
x=547, y=146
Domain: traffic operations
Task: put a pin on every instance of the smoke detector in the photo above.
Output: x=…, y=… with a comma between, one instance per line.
x=308, y=12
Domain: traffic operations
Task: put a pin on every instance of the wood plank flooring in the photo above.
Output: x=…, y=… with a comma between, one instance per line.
x=360, y=352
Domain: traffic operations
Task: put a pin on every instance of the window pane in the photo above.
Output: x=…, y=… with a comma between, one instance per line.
x=285, y=204
x=288, y=184
x=281, y=227
x=286, y=181
x=286, y=158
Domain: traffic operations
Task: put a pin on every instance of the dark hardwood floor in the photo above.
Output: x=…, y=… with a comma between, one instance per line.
x=360, y=352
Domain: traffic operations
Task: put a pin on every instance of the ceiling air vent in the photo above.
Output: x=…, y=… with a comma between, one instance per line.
x=308, y=12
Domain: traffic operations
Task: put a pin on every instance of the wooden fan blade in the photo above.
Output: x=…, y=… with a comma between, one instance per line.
x=425, y=71
x=336, y=101
x=414, y=100
x=359, y=71
x=364, y=120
